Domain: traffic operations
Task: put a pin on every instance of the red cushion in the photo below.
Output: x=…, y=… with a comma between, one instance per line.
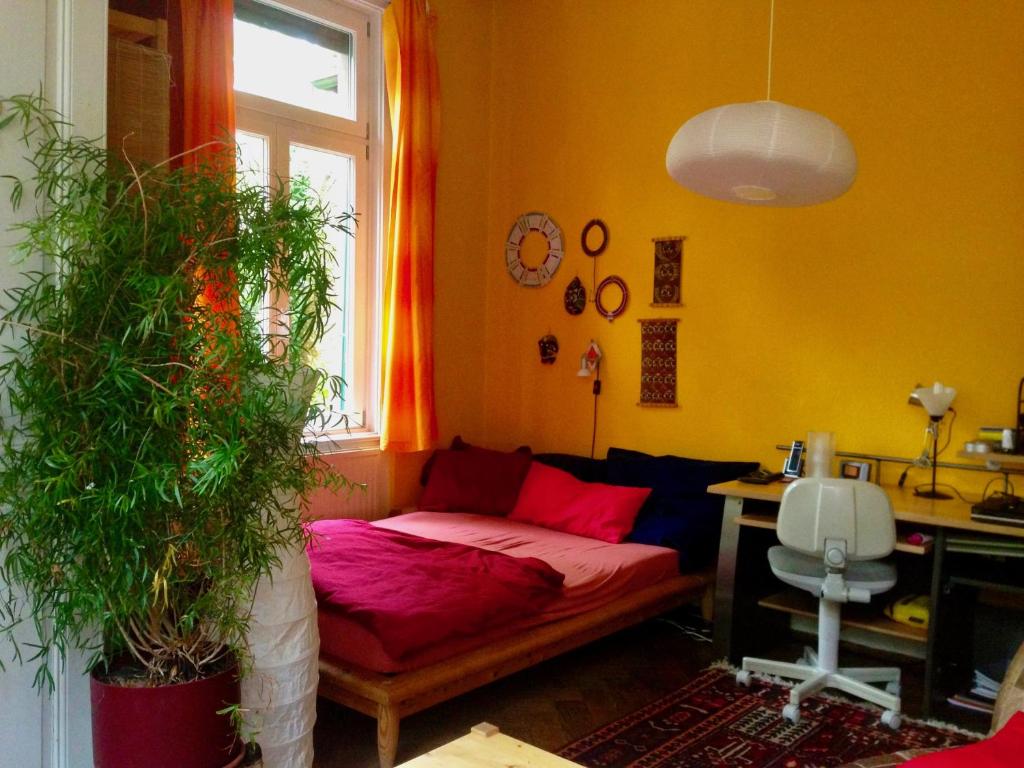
x=475, y=480
x=1003, y=750
x=555, y=499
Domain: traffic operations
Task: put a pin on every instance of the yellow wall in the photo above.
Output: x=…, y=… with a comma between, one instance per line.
x=795, y=319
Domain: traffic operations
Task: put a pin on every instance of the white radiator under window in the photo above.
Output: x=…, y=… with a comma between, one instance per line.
x=369, y=467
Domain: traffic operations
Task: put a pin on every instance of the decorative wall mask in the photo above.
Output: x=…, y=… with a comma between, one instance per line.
x=575, y=297
x=540, y=275
x=603, y=310
x=668, y=271
x=548, y=349
x=658, y=363
x=585, y=238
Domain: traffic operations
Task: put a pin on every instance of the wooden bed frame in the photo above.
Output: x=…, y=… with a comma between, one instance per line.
x=390, y=697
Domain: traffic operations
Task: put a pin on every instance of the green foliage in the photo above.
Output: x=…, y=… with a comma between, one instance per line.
x=151, y=446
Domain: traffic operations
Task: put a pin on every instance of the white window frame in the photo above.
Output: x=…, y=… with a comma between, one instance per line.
x=363, y=139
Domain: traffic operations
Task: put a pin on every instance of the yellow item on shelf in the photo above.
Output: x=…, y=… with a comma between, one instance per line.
x=910, y=609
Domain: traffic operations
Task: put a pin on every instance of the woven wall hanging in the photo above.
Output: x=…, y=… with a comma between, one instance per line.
x=668, y=272
x=658, y=363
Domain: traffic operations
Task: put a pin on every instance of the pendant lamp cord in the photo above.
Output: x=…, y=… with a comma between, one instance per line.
x=771, y=39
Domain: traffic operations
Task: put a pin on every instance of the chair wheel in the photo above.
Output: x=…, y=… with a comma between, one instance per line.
x=893, y=688
x=792, y=713
x=743, y=678
x=891, y=719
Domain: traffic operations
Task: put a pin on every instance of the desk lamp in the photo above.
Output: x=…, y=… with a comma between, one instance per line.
x=935, y=399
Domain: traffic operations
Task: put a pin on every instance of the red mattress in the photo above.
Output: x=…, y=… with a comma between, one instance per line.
x=596, y=573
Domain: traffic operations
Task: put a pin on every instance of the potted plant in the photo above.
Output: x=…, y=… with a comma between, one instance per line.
x=151, y=437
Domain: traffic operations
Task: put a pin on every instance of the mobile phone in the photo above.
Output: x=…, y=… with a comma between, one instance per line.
x=795, y=460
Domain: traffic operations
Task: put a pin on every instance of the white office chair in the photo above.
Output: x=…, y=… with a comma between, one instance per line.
x=834, y=532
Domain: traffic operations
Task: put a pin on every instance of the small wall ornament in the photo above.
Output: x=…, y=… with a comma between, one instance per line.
x=610, y=313
x=585, y=241
x=658, y=363
x=668, y=271
x=533, y=277
x=575, y=297
x=548, y=349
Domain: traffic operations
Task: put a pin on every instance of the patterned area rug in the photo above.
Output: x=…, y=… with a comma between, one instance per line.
x=713, y=723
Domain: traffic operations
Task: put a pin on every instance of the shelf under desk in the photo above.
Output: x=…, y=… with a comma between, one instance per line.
x=864, y=617
x=770, y=522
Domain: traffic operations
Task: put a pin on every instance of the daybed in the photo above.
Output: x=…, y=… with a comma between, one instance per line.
x=608, y=586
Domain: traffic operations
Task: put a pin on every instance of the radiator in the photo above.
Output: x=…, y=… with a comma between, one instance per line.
x=372, y=468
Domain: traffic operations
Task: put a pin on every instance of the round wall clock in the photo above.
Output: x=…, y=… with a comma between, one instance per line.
x=524, y=225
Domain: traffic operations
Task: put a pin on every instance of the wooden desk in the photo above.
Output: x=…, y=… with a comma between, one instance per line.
x=744, y=581
x=486, y=747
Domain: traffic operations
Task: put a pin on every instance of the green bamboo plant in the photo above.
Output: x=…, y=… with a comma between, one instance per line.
x=149, y=437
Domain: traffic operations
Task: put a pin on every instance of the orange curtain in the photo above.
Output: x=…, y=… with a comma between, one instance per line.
x=208, y=75
x=207, y=101
x=409, y=422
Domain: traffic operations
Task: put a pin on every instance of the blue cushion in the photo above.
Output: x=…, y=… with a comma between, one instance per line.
x=694, y=535
x=581, y=467
x=679, y=512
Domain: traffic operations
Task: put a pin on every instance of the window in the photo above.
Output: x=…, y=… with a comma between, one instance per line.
x=309, y=90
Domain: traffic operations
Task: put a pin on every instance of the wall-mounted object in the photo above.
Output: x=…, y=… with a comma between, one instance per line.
x=590, y=361
x=575, y=297
x=613, y=312
x=658, y=362
x=548, y=349
x=763, y=152
x=668, y=271
x=602, y=228
x=533, y=277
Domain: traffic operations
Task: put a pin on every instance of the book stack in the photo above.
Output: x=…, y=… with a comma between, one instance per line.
x=982, y=696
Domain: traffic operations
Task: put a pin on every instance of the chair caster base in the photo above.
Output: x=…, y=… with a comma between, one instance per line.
x=893, y=688
x=891, y=719
x=743, y=678
x=791, y=712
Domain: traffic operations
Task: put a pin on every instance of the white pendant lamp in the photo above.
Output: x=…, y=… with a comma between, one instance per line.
x=763, y=152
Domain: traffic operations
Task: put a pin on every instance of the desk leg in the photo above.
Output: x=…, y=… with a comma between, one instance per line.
x=931, y=662
x=725, y=580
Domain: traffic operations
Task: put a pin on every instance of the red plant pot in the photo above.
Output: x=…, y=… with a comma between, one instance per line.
x=168, y=726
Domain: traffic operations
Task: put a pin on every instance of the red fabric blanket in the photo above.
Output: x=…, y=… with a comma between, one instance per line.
x=414, y=592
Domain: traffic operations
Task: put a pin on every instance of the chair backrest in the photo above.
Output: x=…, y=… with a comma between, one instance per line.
x=855, y=511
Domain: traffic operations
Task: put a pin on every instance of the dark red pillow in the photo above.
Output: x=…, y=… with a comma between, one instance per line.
x=458, y=444
x=1003, y=750
x=475, y=480
x=555, y=499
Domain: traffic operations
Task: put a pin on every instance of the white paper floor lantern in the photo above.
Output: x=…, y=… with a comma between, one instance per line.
x=762, y=153
x=279, y=693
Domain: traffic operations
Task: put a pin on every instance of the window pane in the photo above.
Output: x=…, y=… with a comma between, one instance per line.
x=332, y=176
x=288, y=58
x=253, y=170
x=253, y=160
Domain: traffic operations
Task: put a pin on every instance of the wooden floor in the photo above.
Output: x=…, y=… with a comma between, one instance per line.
x=555, y=702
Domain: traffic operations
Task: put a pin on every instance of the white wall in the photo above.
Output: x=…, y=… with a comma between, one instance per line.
x=59, y=45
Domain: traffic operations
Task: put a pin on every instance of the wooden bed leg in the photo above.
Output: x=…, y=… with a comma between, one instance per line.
x=387, y=735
